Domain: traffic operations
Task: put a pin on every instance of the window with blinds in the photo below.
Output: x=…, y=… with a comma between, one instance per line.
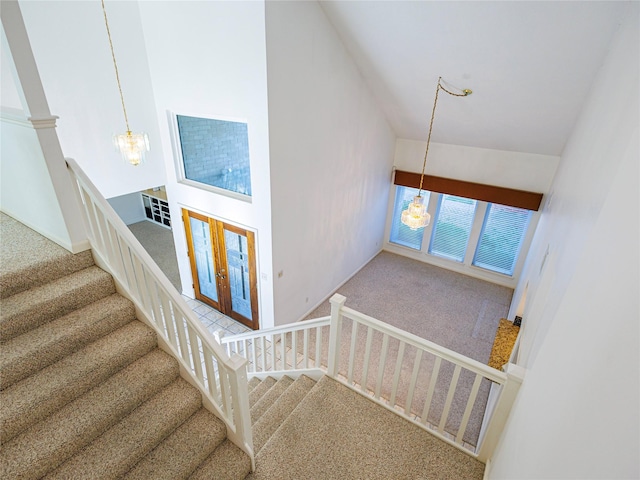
x=502, y=234
x=400, y=233
x=452, y=227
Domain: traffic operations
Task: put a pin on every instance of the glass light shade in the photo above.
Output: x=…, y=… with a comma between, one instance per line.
x=416, y=216
x=132, y=146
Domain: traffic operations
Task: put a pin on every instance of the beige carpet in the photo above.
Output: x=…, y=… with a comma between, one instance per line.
x=453, y=310
x=158, y=242
x=85, y=391
x=335, y=433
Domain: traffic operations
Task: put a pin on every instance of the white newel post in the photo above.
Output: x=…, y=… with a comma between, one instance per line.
x=335, y=327
x=240, y=401
x=515, y=376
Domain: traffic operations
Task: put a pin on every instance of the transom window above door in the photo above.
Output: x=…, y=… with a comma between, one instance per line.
x=215, y=153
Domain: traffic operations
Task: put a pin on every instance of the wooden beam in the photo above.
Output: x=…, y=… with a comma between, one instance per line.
x=477, y=191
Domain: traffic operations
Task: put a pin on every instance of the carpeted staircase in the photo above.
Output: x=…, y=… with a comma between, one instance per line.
x=85, y=393
x=324, y=430
x=85, y=390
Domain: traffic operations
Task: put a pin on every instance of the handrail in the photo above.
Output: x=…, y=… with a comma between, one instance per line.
x=454, y=380
x=428, y=346
x=269, y=350
x=294, y=327
x=441, y=418
x=222, y=379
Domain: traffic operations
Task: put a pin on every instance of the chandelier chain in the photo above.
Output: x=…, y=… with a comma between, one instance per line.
x=115, y=66
x=433, y=114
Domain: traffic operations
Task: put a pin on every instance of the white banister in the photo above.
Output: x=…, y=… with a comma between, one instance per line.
x=337, y=304
x=449, y=389
x=36, y=108
x=224, y=388
x=239, y=388
x=498, y=419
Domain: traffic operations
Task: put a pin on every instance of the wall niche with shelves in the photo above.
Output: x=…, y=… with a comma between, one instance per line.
x=156, y=206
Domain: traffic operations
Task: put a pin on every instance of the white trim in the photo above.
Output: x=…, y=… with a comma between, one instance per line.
x=469, y=270
x=48, y=121
x=76, y=247
x=313, y=373
x=465, y=267
x=211, y=188
x=14, y=116
x=178, y=160
x=487, y=470
x=235, y=224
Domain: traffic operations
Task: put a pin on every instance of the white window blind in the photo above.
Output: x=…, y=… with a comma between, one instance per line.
x=452, y=227
x=400, y=233
x=501, y=238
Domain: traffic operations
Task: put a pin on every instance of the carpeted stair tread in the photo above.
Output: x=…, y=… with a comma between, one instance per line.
x=116, y=451
x=181, y=452
x=27, y=259
x=269, y=422
x=49, y=443
x=227, y=462
x=34, y=398
x=269, y=398
x=260, y=390
x=253, y=383
x=365, y=441
x=30, y=309
x=24, y=355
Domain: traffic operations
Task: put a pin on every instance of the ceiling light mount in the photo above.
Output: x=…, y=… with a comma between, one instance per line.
x=416, y=216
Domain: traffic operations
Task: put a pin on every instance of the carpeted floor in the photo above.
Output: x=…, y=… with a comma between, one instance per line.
x=158, y=242
x=342, y=435
x=452, y=310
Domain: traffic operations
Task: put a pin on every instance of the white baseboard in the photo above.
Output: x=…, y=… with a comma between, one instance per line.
x=326, y=299
x=63, y=242
x=487, y=470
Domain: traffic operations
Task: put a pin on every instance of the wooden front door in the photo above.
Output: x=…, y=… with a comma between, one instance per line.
x=223, y=266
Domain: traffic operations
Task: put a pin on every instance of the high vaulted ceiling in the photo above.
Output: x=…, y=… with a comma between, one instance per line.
x=530, y=65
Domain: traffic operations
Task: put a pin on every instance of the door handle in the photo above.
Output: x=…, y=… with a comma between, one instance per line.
x=220, y=275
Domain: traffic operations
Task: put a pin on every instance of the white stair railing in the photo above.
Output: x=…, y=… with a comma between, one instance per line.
x=431, y=386
x=221, y=378
x=298, y=347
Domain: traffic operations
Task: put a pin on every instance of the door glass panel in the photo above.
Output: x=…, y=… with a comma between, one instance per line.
x=238, y=264
x=204, y=258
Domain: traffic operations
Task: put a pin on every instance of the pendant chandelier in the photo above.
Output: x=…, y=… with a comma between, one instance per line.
x=132, y=146
x=416, y=216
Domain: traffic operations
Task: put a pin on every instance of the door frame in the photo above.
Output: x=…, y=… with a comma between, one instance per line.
x=216, y=229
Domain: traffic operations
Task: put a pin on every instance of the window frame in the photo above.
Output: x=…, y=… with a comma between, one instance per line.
x=520, y=244
x=466, y=267
x=181, y=177
x=434, y=230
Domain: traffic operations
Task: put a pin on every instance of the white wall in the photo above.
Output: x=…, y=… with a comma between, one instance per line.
x=577, y=415
x=128, y=207
x=521, y=171
x=10, y=95
x=331, y=158
x=208, y=59
x=22, y=164
x=36, y=187
x=70, y=45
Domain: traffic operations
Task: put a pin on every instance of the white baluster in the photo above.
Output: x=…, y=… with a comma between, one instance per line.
x=337, y=302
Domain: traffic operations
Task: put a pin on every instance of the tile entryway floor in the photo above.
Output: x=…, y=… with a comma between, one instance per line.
x=213, y=320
